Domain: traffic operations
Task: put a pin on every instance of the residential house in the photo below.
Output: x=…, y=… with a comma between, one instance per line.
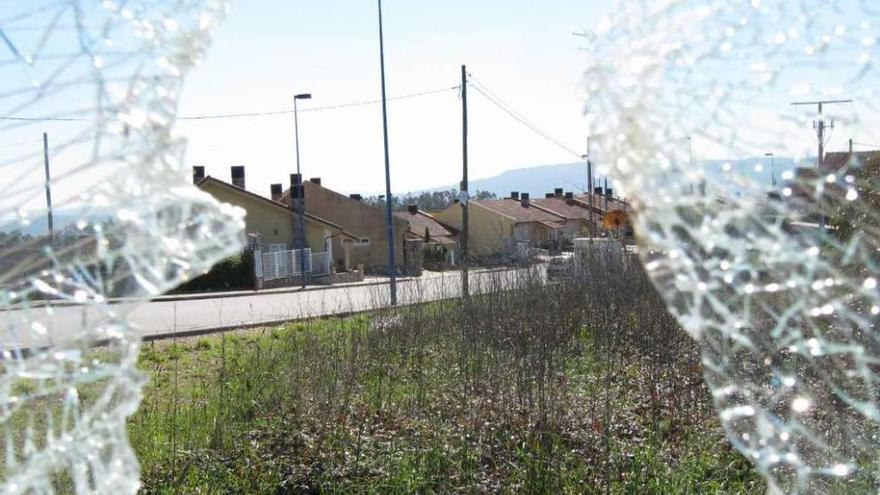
x=508, y=225
x=576, y=215
x=440, y=241
x=603, y=202
x=357, y=218
x=803, y=187
x=273, y=222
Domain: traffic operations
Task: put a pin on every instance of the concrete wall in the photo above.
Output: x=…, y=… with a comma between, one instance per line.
x=488, y=231
x=359, y=219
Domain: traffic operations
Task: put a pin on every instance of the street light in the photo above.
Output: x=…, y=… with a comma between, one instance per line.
x=772, y=169
x=299, y=191
x=389, y=220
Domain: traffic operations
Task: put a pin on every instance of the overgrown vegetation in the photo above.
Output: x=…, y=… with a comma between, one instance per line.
x=584, y=386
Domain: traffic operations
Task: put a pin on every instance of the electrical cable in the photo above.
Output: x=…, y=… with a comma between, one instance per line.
x=867, y=144
x=249, y=114
x=483, y=90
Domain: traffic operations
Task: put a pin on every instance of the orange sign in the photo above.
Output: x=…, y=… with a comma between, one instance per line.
x=614, y=220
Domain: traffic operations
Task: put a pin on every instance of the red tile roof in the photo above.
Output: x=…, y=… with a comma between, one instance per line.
x=515, y=209
x=839, y=159
x=420, y=221
x=599, y=202
x=212, y=180
x=571, y=210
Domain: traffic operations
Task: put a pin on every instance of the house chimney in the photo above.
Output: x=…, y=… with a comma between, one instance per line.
x=412, y=209
x=198, y=174
x=609, y=192
x=598, y=190
x=569, y=196
x=238, y=176
x=514, y=195
x=557, y=192
x=356, y=197
x=277, y=191
x=525, y=199
x=315, y=180
x=549, y=195
x=296, y=188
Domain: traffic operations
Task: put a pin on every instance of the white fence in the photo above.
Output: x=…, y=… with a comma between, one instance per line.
x=283, y=264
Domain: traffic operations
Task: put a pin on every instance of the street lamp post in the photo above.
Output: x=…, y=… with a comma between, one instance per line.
x=772, y=169
x=297, y=192
x=389, y=220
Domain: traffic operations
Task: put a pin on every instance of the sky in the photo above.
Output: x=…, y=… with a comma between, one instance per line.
x=523, y=51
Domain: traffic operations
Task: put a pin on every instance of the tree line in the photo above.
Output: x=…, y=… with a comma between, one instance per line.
x=426, y=201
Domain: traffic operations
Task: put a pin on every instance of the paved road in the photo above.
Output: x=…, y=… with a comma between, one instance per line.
x=165, y=318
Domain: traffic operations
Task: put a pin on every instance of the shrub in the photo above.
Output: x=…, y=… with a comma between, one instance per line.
x=233, y=273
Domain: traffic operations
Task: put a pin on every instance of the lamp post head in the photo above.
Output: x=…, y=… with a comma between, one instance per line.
x=303, y=96
x=585, y=157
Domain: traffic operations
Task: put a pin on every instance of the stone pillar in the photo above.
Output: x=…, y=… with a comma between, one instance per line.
x=413, y=257
x=258, y=269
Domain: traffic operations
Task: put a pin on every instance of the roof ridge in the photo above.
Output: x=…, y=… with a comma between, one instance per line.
x=272, y=202
x=549, y=210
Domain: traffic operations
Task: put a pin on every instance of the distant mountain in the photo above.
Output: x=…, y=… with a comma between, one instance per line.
x=540, y=180
x=533, y=180
x=60, y=219
x=754, y=171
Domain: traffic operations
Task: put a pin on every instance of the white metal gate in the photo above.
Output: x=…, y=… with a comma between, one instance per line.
x=284, y=264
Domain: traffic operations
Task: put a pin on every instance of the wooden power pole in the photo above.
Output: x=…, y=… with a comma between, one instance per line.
x=590, y=191
x=820, y=127
x=464, y=198
x=48, y=188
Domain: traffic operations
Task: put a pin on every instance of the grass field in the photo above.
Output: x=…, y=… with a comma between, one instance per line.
x=586, y=386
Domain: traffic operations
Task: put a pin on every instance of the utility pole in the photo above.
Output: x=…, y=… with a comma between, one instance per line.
x=392, y=268
x=48, y=187
x=606, y=195
x=463, y=194
x=590, y=187
x=691, y=160
x=772, y=169
x=820, y=126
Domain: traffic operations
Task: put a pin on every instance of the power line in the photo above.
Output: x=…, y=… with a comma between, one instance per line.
x=19, y=143
x=248, y=114
x=867, y=144
x=483, y=90
x=317, y=109
x=532, y=127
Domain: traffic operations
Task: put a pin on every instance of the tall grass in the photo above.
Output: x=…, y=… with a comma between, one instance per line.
x=584, y=385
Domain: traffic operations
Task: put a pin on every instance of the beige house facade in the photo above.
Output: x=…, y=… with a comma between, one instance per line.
x=363, y=221
x=272, y=222
x=501, y=226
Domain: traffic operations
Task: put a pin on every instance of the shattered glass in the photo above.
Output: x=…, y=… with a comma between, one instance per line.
x=773, y=272
x=102, y=79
